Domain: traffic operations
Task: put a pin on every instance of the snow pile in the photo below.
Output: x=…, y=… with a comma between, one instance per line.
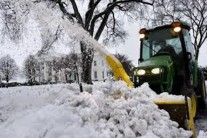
x=202, y=134
x=53, y=111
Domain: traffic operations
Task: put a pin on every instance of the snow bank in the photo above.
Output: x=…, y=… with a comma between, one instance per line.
x=202, y=134
x=110, y=110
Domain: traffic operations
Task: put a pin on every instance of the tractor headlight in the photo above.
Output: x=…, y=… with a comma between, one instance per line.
x=177, y=29
x=141, y=72
x=156, y=71
x=142, y=36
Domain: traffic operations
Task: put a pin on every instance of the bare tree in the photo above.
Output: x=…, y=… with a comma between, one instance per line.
x=99, y=16
x=48, y=40
x=13, y=18
x=194, y=12
x=127, y=64
x=71, y=64
x=30, y=67
x=75, y=65
x=56, y=67
x=8, y=68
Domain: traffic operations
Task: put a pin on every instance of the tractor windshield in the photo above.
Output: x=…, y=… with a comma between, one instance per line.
x=160, y=41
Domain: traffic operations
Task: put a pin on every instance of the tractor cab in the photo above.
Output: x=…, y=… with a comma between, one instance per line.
x=166, y=58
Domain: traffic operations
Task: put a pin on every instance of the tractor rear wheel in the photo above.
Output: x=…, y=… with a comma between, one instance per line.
x=201, y=91
x=190, y=92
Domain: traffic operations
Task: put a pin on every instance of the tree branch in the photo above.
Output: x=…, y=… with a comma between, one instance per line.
x=77, y=13
x=63, y=9
x=107, y=12
x=90, y=12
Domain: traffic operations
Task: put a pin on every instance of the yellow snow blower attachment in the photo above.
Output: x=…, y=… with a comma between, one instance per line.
x=181, y=111
x=115, y=65
x=118, y=70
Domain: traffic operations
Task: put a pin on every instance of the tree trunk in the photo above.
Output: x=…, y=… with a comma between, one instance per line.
x=30, y=79
x=66, y=77
x=196, y=54
x=7, y=81
x=7, y=78
x=87, y=59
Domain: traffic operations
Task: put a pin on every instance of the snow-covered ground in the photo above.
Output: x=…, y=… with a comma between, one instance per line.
x=60, y=111
x=201, y=122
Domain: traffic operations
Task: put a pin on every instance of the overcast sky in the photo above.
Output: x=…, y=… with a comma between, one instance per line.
x=131, y=46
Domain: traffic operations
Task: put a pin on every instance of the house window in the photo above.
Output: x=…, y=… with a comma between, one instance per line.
x=109, y=73
x=95, y=74
x=103, y=74
x=94, y=62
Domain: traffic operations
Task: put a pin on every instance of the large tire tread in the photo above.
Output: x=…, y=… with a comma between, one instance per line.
x=201, y=91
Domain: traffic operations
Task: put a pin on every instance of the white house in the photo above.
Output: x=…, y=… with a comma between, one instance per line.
x=49, y=72
x=46, y=71
x=100, y=69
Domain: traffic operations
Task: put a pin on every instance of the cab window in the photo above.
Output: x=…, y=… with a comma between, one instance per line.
x=188, y=43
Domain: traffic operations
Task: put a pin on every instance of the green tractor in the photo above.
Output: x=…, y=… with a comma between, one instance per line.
x=167, y=64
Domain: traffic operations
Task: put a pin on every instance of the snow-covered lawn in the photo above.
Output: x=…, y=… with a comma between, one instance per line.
x=61, y=111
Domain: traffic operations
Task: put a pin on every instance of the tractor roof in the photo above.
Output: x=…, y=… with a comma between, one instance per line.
x=181, y=23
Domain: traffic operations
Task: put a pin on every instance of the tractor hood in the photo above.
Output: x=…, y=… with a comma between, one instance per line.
x=158, y=71
x=162, y=60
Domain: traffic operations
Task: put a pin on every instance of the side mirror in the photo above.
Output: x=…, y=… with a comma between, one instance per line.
x=140, y=60
x=189, y=55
